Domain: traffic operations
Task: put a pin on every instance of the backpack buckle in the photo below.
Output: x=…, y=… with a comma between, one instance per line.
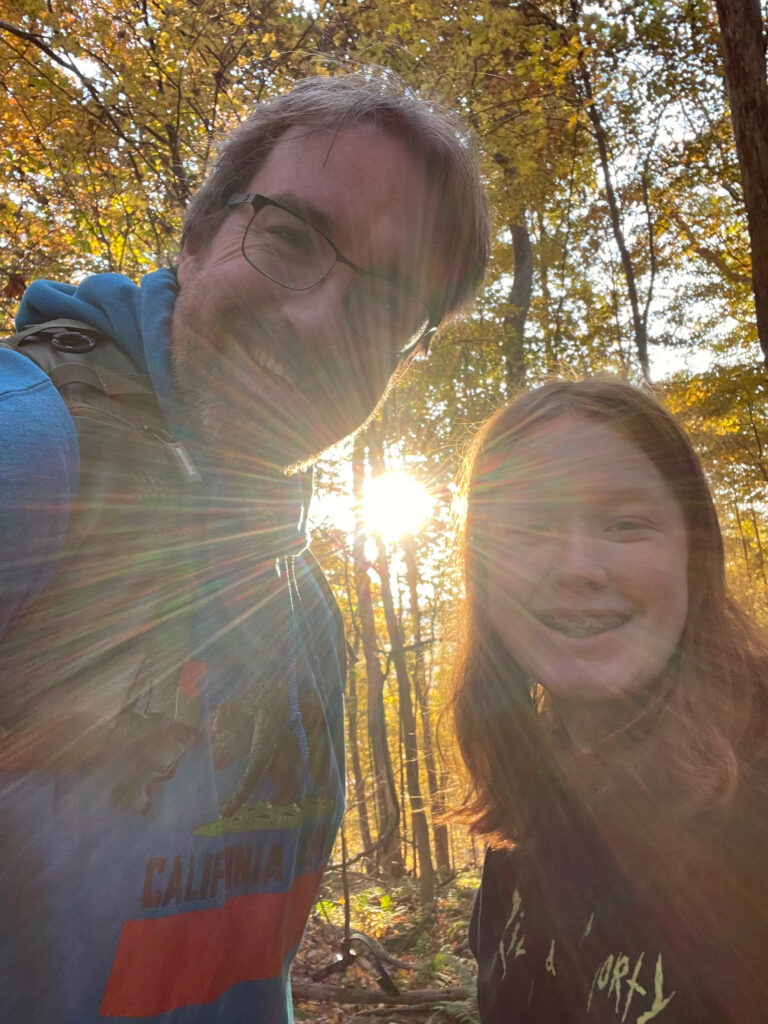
x=73, y=341
x=62, y=338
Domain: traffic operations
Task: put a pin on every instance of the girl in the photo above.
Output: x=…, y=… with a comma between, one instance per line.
x=610, y=705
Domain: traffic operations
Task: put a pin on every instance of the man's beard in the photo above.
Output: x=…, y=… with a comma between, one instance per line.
x=200, y=401
x=221, y=389
x=210, y=369
x=243, y=411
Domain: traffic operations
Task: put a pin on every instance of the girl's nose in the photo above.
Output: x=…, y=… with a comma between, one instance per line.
x=577, y=559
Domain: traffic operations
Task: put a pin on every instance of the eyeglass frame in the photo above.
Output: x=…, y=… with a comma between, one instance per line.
x=257, y=202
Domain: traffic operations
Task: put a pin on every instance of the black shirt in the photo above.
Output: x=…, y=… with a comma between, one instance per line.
x=562, y=937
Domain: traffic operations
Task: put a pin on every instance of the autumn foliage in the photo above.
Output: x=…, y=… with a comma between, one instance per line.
x=622, y=245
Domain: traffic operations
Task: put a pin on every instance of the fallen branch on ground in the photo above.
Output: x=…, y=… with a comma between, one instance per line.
x=386, y=1011
x=307, y=992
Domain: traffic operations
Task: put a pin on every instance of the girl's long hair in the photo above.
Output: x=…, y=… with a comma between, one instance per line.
x=688, y=738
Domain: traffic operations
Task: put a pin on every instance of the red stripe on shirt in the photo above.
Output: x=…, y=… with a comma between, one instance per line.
x=166, y=962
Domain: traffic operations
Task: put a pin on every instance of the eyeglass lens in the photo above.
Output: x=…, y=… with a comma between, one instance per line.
x=290, y=252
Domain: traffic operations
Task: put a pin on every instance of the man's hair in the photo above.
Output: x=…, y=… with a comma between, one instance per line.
x=361, y=100
x=701, y=714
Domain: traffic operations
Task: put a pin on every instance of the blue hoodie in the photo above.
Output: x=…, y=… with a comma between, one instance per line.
x=184, y=913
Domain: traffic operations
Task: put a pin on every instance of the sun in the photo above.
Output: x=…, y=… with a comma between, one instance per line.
x=395, y=504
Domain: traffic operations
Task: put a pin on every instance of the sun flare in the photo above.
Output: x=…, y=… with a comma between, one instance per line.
x=395, y=504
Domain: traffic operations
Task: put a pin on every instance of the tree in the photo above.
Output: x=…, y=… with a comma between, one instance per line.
x=435, y=781
x=621, y=200
x=407, y=717
x=389, y=854
x=744, y=43
x=111, y=110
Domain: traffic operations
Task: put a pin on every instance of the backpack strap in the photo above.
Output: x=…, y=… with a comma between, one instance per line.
x=92, y=697
x=72, y=352
x=97, y=380
x=81, y=335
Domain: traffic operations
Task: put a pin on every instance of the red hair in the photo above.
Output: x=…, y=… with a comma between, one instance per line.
x=691, y=733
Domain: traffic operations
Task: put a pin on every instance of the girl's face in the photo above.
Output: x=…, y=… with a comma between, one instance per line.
x=587, y=561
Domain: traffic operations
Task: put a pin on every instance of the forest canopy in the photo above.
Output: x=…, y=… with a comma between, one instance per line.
x=622, y=244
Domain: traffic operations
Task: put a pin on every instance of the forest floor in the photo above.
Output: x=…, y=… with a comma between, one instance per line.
x=415, y=956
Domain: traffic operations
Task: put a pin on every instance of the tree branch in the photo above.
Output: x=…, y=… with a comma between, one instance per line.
x=308, y=992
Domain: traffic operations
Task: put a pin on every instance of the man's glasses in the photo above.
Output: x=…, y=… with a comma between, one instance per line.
x=288, y=250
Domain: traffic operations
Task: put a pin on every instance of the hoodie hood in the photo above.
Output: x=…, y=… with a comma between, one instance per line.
x=138, y=319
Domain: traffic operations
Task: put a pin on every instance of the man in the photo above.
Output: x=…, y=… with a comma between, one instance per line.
x=172, y=756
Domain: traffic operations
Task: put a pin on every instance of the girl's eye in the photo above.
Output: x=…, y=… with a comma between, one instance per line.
x=628, y=525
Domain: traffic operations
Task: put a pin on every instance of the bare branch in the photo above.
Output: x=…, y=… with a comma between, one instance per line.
x=307, y=992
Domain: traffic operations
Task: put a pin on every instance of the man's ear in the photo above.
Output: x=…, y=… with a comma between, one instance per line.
x=420, y=352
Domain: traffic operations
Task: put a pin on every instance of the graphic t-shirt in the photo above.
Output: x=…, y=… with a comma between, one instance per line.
x=561, y=937
x=185, y=911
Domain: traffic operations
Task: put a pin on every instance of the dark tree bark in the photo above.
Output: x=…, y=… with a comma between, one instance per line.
x=583, y=83
x=758, y=544
x=517, y=307
x=744, y=544
x=407, y=718
x=743, y=39
x=639, y=325
x=389, y=854
x=435, y=783
x=305, y=991
x=358, y=778
x=361, y=804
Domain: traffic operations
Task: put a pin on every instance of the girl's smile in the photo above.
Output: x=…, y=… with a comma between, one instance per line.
x=587, y=561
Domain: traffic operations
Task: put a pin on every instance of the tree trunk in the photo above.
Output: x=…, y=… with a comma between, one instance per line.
x=434, y=781
x=361, y=804
x=517, y=307
x=583, y=80
x=743, y=39
x=638, y=322
x=758, y=544
x=408, y=721
x=389, y=855
x=358, y=779
x=744, y=544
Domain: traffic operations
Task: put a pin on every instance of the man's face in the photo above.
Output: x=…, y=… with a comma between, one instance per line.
x=279, y=374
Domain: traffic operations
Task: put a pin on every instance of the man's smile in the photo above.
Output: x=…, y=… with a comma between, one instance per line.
x=268, y=362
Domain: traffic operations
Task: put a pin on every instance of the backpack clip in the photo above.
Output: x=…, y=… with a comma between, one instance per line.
x=61, y=338
x=73, y=341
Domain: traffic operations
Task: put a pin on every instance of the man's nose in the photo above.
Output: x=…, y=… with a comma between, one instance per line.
x=319, y=312
x=577, y=559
